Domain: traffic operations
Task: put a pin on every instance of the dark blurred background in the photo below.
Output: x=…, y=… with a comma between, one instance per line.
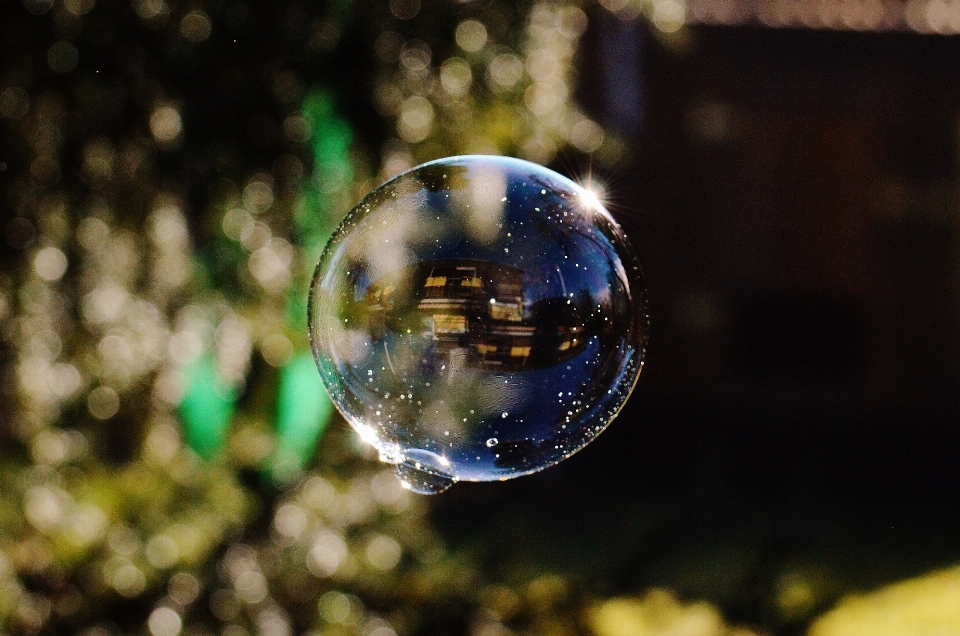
x=793, y=196
x=788, y=173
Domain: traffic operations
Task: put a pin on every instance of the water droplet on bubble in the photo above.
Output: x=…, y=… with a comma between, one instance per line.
x=470, y=288
x=421, y=481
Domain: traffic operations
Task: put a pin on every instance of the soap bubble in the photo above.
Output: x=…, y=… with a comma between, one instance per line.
x=478, y=318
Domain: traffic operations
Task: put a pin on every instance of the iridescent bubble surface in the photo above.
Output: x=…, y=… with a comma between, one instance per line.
x=478, y=318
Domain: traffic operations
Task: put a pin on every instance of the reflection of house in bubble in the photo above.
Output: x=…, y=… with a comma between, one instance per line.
x=479, y=312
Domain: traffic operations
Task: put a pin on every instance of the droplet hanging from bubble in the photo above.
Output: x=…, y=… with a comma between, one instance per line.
x=478, y=318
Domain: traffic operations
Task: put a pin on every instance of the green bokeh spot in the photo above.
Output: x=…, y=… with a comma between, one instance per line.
x=207, y=407
x=303, y=410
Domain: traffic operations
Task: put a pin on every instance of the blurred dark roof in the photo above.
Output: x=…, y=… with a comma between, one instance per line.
x=922, y=16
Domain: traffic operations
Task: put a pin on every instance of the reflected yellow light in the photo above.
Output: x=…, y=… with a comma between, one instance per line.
x=471, y=35
x=383, y=552
x=196, y=26
x=166, y=124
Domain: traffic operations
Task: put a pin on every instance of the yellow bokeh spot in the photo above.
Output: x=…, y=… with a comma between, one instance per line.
x=929, y=604
x=658, y=613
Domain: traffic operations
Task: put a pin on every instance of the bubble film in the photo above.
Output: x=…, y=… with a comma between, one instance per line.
x=478, y=318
